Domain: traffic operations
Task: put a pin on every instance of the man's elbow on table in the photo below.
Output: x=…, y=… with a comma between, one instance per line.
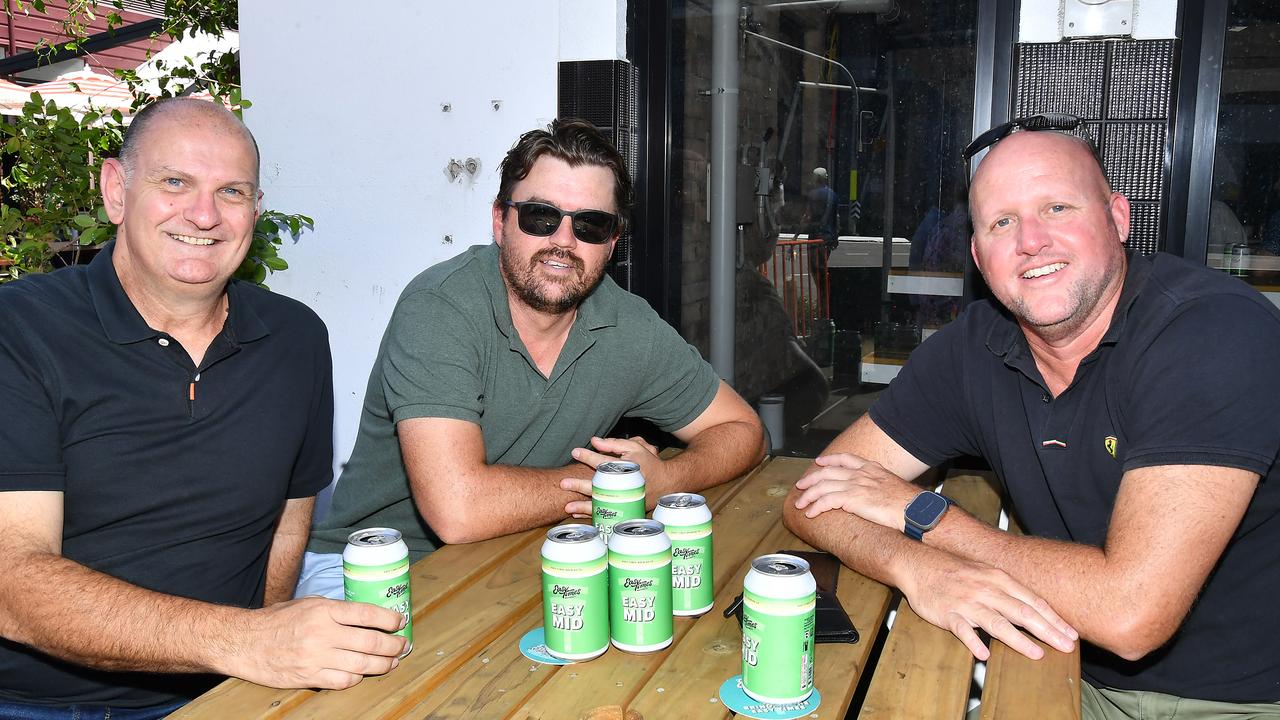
x=1137, y=632
x=458, y=524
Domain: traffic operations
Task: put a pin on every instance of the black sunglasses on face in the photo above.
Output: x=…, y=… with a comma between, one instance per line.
x=1042, y=121
x=541, y=219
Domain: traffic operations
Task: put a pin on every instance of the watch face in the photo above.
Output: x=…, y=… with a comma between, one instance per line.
x=926, y=510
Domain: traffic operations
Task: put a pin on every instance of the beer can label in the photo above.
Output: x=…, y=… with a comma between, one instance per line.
x=640, y=599
x=382, y=585
x=610, y=507
x=691, y=570
x=777, y=647
x=575, y=607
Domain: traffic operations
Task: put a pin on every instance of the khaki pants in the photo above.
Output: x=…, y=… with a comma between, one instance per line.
x=1111, y=704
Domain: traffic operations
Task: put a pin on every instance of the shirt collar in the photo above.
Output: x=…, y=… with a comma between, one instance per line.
x=122, y=322
x=1005, y=339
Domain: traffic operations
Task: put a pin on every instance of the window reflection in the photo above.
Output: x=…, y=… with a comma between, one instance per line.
x=1244, y=216
x=855, y=230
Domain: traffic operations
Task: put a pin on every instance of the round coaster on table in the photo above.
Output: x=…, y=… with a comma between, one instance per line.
x=534, y=646
x=733, y=697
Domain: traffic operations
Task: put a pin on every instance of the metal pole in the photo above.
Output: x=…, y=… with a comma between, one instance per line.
x=724, y=142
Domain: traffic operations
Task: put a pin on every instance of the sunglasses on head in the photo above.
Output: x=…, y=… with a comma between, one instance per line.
x=1042, y=121
x=541, y=219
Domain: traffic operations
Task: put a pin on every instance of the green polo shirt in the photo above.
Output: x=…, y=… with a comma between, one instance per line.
x=451, y=351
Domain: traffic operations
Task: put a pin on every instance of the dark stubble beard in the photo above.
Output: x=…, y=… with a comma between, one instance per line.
x=535, y=290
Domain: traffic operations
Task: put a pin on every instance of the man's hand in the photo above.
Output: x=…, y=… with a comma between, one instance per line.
x=858, y=486
x=313, y=642
x=961, y=595
x=635, y=449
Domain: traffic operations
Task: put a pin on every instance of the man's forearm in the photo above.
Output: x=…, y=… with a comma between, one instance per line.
x=287, y=545
x=96, y=620
x=499, y=500
x=714, y=456
x=875, y=551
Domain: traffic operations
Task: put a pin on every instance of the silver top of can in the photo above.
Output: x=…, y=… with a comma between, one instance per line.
x=780, y=565
x=639, y=528
x=573, y=533
x=617, y=467
x=682, y=500
x=374, y=537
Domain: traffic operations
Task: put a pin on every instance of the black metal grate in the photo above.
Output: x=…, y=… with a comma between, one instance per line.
x=604, y=93
x=1124, y=90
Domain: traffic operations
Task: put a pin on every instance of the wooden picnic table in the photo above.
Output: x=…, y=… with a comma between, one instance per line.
x=472, y=604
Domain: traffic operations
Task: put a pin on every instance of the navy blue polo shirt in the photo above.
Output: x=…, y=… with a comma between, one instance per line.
x=1188, y=373
x=173, y=476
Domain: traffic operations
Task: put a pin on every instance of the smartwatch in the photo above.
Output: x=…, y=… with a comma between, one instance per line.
x=924, y=513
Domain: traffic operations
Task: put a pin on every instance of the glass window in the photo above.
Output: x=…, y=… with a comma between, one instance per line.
x=1244, y=215
x=852, y=117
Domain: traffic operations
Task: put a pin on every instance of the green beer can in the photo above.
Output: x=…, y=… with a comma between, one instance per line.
x=688, y=522
x=617, y=494
x=375, y=570
x=640, y=586
x=778, y=603
x=575, y=592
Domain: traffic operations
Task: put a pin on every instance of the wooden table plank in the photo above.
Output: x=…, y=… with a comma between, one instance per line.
x=712, y=651
x=499, y=679
x=607, y=684
x=924, y=671
x=434, y=579
x=1018, y=687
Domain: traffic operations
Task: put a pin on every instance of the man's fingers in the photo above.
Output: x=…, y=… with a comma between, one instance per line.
x=582, y=486
x=644, y=444
x=999, y=627
x=335, y=680
x=365, y=615
x=578, y=509
x=844, y=460
x=590, y=458
x=1045, y=624
x=964, y=632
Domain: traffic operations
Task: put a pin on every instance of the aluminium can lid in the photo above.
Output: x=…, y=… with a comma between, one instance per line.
x=682, y=500
x=374, y=537
x=617, y=467
x=639, y=528
x=780, y=565
x=574, y=533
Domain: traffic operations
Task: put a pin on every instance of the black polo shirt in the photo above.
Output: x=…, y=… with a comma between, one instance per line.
x=173, y=475
x=1188, y=373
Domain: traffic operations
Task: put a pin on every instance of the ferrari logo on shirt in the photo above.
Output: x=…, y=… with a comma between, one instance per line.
x=1110, y=444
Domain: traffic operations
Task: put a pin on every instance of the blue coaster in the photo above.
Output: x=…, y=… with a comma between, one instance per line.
x=733, y=697
x=534, y=646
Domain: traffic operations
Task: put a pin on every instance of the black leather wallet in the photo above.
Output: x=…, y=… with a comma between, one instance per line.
x=833, y=623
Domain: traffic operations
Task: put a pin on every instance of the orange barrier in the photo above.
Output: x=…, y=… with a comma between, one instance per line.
x=805, y=296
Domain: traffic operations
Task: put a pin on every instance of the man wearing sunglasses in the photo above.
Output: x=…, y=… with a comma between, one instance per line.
x=504, y=368
x=1127, y=404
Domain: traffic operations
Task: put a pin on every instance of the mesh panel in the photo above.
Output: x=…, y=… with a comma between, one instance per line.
x=1134, y=159
x=603, y=92
x=1144, y=226
x=1141, y=80
x=1060, y=78
x=1124, y=90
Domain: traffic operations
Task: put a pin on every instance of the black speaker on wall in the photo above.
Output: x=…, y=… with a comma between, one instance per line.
x=604, y=93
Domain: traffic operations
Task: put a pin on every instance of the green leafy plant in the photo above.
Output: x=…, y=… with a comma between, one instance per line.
x=51, y=208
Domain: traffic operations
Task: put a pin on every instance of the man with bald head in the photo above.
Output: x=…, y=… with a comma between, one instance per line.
x=166, y=429
x=1127, y=405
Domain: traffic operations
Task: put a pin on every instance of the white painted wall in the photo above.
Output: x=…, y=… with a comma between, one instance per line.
x=347, y=112
x=1042, y=20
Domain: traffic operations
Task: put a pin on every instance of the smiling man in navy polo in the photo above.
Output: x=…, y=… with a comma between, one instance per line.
x=1127, y=404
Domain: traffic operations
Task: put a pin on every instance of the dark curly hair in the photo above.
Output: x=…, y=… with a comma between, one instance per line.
x=576, y=142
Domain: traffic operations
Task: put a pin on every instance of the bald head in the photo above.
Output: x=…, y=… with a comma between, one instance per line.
x=185, y=111
x=1059, y=147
